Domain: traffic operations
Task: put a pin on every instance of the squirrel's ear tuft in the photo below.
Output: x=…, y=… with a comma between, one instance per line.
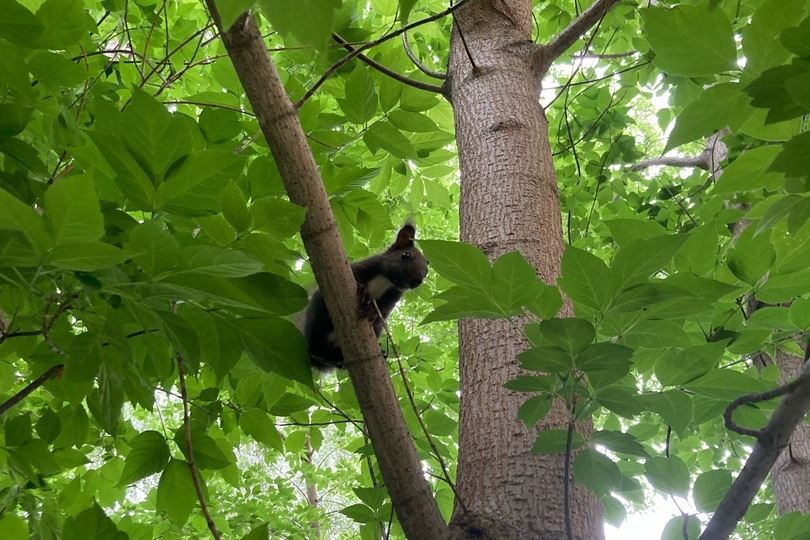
x=405, y=237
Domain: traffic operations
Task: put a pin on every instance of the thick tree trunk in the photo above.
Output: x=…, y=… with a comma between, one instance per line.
x=509, y=201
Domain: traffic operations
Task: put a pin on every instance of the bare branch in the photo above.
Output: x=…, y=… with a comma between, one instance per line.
x=192, y=466
x=387, y=71
x=771, y=440
x=557, y=46
x=423, y=68
x=53, y=372
x=334, y=67
x=708, y=160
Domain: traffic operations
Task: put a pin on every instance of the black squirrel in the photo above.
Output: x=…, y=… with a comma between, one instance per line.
x=383, y=277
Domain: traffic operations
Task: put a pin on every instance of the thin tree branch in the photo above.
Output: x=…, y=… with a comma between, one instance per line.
x=192, y=466
x=422, y=67
x=771, y=440
x=416, y=410
x=387, y=71
x=53, y=372
x=565, y=39
x=334, y=67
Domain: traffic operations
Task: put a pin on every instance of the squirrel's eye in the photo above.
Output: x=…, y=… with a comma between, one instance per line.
x=407, y=255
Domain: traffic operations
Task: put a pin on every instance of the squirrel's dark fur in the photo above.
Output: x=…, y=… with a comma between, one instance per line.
x=383, y=277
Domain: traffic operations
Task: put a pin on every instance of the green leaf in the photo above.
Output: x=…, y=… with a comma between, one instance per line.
x=554, y=441
x=234, y=208
x=412, y=121
x=212, y=261
x=597, y=472
x=66, y=23
x=259, y=425
x=87, y=257
x=726, y=384
x=625, y=231
x=750, y=171
x=459, y=262
x=716, y=107
x=461, y=303
x=176, y=496
x=83, y=359
x=360, y=103
x=148, y=455
x=656, y=334
x=668, y=474
x=623, y=401
x=682, y=365
x=785, y=287
x=18, y=25
x=13, y=527
x=674, y=406
x=690, y=41
x=547, y=359
x=570, y=335
x=710, y=488
x=585, y=279
x=384, y=135
x=638, y=260
x=760, y=49
x=158, y=250
x=616, y=441
x=194, y=188
x=515, y=283
x=276, y=346
x=18, y=216
x=72, y=211
x=604, y=363
x=773, y=90
x=794, y=160
x=674, y=529
x=439, y=424
x=524, y=383
x=91, y=523
x=535, y=409
x=207, y=455
x=360, y=513
x=309, y=22
x=55, y=71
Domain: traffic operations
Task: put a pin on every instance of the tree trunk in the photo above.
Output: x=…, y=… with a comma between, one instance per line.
x=509, y=201
x=791, y=472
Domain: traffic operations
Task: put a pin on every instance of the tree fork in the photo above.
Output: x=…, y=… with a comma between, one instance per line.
x=410, y=492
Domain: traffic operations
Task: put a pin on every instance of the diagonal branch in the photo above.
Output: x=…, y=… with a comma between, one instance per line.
x=565, y=39
x=422, y=67
x=771, y=440
x=334, y=67
x=399, y=463
x=388, y=71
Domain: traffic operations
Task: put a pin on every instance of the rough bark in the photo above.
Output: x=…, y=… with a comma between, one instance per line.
x=791, y=472
x=509, y=201
x=410, y=493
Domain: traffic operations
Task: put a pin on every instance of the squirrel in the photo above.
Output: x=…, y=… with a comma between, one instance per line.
x=384, y=278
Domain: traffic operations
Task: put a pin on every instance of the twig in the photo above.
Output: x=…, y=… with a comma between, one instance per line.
x=422, y=67
x=756, y=397
x=54, y=371
x=334, y=67
x=416, y=409
x=573, y=31
x=387, y=71
x=192, y=467
x=569, y=534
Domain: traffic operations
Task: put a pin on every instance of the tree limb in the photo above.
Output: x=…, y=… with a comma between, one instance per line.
x=334, y=67
x=54, y=371
x=399, y=463
x=565, y=39
x=771, y=440
x=422, y=67
x=387, y=71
